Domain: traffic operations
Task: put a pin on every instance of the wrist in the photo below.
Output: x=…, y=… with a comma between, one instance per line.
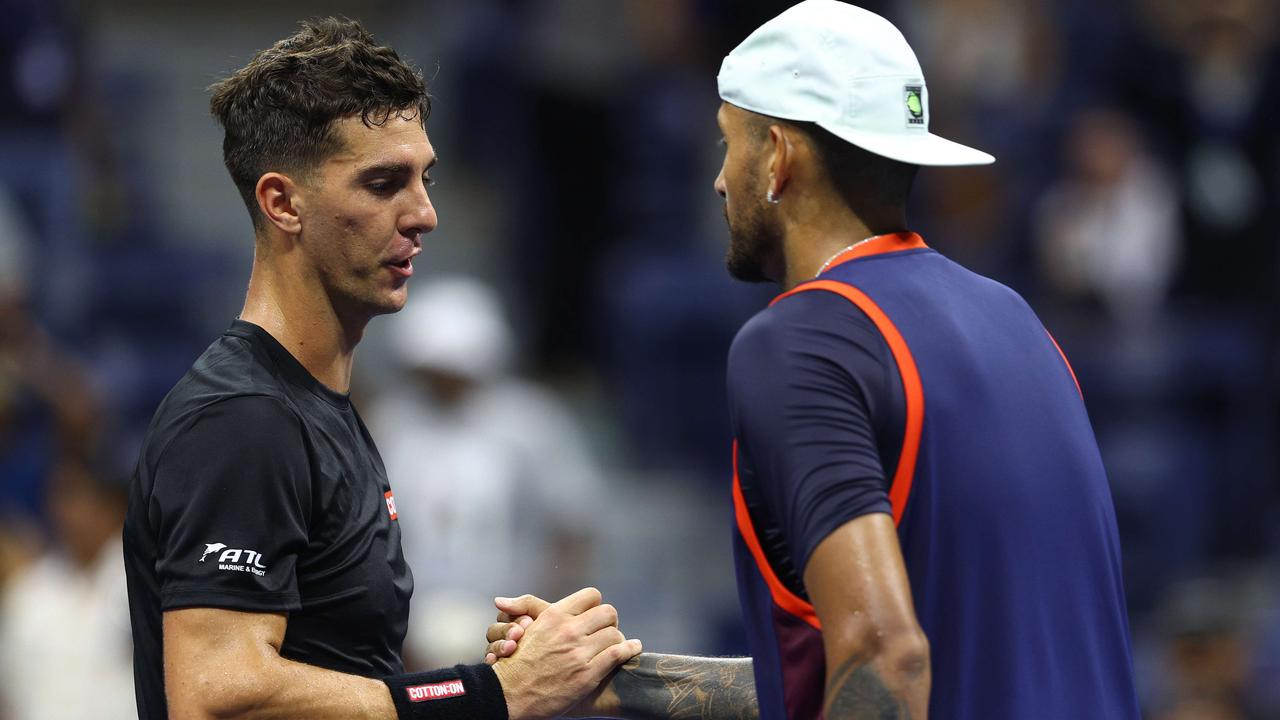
x=463, y=692
x=509, y=681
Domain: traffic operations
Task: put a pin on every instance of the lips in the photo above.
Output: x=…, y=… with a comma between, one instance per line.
x=402, y=266
x=401, y=269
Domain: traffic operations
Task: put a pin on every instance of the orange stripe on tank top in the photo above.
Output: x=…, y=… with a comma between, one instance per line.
x=899, y=490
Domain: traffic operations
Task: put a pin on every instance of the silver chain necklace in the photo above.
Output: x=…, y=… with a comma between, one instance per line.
x=841, y=252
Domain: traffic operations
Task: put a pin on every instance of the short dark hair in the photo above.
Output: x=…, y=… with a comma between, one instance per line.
x=863, y=179
x=278, y=111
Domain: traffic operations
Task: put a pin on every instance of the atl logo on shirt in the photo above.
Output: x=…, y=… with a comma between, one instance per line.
x=235, y=559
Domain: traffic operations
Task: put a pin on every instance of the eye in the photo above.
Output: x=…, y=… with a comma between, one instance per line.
x=722, y=142
x=428, y=180
x=380, y=187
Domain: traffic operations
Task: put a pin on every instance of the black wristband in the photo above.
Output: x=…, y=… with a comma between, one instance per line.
x=463, y=692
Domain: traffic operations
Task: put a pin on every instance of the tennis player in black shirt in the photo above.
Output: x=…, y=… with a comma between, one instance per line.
x=262, y=543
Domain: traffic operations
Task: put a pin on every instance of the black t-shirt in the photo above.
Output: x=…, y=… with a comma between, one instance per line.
x=259, y=489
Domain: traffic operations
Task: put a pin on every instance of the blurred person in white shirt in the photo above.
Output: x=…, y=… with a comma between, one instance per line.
x=65, y=645
x=1107, y=232
x=483, y=461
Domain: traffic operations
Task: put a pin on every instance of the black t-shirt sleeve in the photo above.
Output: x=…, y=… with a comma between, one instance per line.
x=230, y=505
x=806, y=378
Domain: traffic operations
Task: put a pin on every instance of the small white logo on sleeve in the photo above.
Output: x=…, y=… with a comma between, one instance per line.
x=435, y=691
x=235, y=559
x=211, y=548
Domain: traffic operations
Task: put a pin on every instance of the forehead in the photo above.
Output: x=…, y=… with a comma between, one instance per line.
x=398, y=140
x=730, y=117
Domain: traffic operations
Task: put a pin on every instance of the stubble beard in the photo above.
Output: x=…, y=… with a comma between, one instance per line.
x=754, y=244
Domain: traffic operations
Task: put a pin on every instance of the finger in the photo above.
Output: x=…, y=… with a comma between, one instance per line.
x=524, y=621
x=490, y=658
x=504, y=631
x=501, y=648
x=524, y=605
x=577, y=603
x=498, y=631
x=597, y=642
x=598, y=618
x=611, y=657
x=504, y=618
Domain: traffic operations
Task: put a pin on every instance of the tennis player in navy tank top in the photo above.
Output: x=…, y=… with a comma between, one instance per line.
x=923, y=519
x=924, y=526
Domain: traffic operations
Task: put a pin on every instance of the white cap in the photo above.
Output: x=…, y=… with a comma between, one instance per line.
x=847, y=70
x=454, y=324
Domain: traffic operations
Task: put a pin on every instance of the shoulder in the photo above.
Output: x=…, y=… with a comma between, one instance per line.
x=249, y=419
x=809, y=321
x=240, y=422
x=234, y=365
x=229, y=377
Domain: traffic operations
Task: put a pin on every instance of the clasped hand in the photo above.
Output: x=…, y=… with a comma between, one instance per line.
x=552, y=658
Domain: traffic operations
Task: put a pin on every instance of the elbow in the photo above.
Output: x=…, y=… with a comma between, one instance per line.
x=899, y=652
x=905, y=656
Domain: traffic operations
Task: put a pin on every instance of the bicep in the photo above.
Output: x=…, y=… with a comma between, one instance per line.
x=876, y=653
x=211, y=655
x=858, y=582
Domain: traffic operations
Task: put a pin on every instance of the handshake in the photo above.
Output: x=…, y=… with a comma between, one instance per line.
x=558, y=658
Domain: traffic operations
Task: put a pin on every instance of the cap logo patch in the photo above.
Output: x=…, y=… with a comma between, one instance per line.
x=913, y=96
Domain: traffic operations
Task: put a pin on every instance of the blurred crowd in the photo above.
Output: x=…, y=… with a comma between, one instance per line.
x=567, y=331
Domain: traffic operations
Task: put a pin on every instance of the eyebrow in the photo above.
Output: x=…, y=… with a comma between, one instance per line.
x=391, y=168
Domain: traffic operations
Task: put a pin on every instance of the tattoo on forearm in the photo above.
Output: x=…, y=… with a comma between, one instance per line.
x=680, y=686
x=856, y=692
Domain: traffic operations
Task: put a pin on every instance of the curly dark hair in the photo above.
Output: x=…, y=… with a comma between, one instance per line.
x=278, y=111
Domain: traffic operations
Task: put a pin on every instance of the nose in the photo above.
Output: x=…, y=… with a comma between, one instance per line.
x=420, y=219
x=719, y=185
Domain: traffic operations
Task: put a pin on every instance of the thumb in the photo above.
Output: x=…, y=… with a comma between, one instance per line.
x=524, y=605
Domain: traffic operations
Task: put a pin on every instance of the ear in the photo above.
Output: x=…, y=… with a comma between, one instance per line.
x=279, y=202
x=781, y=160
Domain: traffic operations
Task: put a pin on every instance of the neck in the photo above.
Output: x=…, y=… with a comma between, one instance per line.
x=293, y=307
x=815, y=232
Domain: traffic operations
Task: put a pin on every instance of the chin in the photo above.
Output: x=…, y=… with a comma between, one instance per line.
x=751, y=262
x=392, y=305
x=386, y=303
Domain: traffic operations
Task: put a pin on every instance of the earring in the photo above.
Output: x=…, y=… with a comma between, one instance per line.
x=773, y=199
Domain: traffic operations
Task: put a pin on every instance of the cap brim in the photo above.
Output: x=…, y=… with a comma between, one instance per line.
x=916, y=149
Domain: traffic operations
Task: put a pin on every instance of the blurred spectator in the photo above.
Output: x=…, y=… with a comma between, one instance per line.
x=994, y=75
x=986, y=53
x=58, y=161
x=65, y=644
x=1202, y=76
x=1107, y=233
x=1213, y=652
x=491, y=475
x=47, y=409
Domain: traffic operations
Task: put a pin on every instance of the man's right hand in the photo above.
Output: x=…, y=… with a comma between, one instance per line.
x=566, y=649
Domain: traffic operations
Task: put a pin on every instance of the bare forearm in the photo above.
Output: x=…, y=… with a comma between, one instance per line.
x=653, y=686
x=280, y=690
